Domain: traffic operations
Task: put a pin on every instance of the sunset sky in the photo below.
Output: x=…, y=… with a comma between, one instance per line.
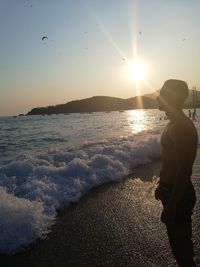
x=90, y=46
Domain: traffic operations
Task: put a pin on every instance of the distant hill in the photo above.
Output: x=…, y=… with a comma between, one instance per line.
x=96, y=104
x=105, y=103
x=153, y=95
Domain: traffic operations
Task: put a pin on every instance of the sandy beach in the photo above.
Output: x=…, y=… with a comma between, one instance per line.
x=116, y=224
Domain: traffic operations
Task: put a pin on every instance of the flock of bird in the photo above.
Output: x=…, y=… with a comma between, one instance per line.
x=45, y=38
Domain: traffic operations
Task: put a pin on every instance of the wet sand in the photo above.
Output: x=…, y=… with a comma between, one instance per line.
x=116, y=224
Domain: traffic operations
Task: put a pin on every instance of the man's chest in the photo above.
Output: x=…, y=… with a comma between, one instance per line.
x=166, y=141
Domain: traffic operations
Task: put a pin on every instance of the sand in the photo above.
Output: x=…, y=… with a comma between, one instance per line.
x=116, y=224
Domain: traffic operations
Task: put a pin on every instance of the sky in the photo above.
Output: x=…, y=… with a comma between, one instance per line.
x=90, y=46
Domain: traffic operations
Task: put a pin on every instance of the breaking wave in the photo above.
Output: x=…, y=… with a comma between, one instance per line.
x=33, y=188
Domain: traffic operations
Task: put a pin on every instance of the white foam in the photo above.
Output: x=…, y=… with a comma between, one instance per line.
x=22, y=222
x=32, y=188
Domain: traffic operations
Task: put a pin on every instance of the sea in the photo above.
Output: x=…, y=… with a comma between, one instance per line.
x=48, y=162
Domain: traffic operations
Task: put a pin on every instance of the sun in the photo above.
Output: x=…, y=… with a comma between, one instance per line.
x=136, y=71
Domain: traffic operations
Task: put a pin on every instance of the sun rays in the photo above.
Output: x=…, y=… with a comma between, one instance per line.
x=134, y=69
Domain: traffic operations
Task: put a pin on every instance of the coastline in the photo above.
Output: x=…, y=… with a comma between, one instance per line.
x=110, y=226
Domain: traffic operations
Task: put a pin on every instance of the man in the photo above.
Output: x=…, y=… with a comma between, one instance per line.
x=179, y=146
x=194, y=115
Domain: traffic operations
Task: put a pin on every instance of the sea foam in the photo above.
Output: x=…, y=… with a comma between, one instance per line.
x=33, y=188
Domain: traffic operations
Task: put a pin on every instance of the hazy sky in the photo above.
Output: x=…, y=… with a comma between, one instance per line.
x=89, y=45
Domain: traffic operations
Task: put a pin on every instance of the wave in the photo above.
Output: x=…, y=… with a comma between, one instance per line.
x=53, y=139
x=33, y=188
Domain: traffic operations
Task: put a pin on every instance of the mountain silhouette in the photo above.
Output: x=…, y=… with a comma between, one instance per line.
x=105, y=103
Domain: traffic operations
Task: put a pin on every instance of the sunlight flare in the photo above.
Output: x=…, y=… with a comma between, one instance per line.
x=136, y=70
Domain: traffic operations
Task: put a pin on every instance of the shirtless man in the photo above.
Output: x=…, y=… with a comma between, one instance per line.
x=179, y=146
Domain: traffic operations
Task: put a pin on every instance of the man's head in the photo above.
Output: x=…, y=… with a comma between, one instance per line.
x=173, y=95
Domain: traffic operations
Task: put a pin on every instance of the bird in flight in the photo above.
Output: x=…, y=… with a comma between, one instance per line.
x=44, y=37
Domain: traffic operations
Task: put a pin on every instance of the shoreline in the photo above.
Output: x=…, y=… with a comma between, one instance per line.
x=110, y=226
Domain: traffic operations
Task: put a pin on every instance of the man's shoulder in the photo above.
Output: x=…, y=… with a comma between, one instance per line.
x=183, y=125
x=183, y=130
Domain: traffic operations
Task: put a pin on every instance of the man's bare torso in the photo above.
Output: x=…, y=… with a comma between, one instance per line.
x=181, y=132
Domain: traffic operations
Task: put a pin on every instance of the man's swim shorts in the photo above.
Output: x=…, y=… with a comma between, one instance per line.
x=184, y=208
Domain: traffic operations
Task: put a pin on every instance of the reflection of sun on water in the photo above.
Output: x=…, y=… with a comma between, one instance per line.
x=137, y=120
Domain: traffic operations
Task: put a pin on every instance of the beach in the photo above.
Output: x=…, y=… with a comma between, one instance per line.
x=111, y=226
x=74, y=199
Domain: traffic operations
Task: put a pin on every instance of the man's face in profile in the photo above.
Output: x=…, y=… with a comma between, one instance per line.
x=162, y=100
x=160, y=106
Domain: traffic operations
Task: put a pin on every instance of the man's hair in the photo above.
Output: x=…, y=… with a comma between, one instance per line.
x=177, y=90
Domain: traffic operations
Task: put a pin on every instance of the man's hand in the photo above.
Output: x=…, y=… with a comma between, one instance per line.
x=168, y=214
